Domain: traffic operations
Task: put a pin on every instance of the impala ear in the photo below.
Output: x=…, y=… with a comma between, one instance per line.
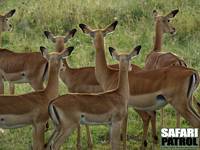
x=50, y=36
x=44, y=52
x=85, y=28
x=135, y=51
x=173, y=13
x=110, y=28
x=114, y=53
x=10, y=13
x=66, y=52
x=70, y=35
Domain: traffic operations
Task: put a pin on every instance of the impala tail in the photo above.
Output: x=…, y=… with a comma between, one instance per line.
x=53, y=113
x=193, y=84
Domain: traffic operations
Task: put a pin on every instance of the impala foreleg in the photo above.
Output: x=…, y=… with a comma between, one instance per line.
x=124, y=131
x=11, y=88
x=78, y=144
x=162, y=115
x=153, y=125
x=178, y=119
x=38, y=136
x=89, y=137
x=145, y=118
x=115, y=135
x=37, y=85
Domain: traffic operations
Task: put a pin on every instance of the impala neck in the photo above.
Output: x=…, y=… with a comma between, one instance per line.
x=123, y=83
x=101, y=64
x=52, y=85
x=0, y=39
x=158, y=36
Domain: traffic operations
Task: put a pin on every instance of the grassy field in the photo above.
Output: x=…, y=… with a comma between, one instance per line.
x=136, y=26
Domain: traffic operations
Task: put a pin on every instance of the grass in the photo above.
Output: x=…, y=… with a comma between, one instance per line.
x=136, y=26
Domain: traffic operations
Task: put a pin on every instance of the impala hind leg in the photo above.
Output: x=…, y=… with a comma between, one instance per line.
x=38, y=136
x=61, y=136
x=115, y=135
x=1, y=85
x=187, y=111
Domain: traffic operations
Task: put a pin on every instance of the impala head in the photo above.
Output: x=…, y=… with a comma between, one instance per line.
x=165, y=21
x=93, y=32
x=4, y=21
x=60, y=40
x=54, y=58
x=125, y=58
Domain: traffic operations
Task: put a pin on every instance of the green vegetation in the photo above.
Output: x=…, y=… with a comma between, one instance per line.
x=136, y=26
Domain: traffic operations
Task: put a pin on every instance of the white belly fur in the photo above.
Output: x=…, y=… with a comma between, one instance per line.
x=14, y=121
x=147, y=102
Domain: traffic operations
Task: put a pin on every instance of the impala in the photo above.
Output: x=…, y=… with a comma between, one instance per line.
x=78, y=80
x=32, y=108
x=4, y=26
x=107, y=107
x=149, y=90
x=102, y=73
x=157, y=59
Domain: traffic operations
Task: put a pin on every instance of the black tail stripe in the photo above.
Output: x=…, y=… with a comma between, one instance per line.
x=56, y=113
x=190, y=85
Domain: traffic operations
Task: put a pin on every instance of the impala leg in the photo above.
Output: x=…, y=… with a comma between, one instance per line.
x=162, y=115
x=37, y=85
x=196, y=104
x=78, y=144
x=1, y=85
x=60, y=138
x=38, y=136
x=186, y=111
x=89, y=137
x=1, y=92
x=11, y=88
x=145, y=118
x=178, y=119
x=124, y=131
x=52, y=137
x=153, y=124
x=115, y=135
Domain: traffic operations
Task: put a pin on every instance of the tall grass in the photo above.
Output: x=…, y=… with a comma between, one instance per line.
x=136, y=26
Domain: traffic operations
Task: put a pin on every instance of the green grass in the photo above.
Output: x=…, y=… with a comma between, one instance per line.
x=136, y=26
